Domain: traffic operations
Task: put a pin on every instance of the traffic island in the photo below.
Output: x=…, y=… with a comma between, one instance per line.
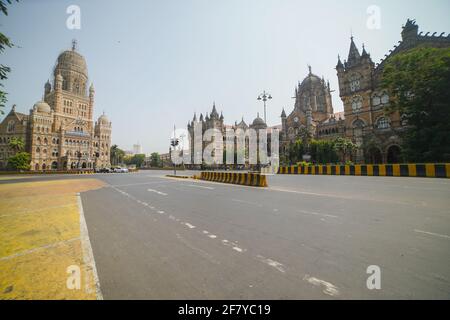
x=246, y=179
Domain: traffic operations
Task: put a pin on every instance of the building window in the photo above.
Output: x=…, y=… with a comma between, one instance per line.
x=11, y=126
x=357, y=104
x=385, y=98
x=358, y=124
x=383, y=123
x=376, y=100
x=355, y=83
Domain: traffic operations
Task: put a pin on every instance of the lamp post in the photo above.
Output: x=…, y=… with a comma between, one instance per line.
x=264, y=97
x=174, y=143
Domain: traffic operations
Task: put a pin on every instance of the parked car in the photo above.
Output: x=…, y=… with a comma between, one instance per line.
x=105, y=170
x=120, y=170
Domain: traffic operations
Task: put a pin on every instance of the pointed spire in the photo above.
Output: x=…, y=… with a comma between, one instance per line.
x=221, y=115
x=310, y=69
x=214, y=113
x=201, y=116
x=283, y=114
x=353, y=54
x=364, y=52
x=339, y=64
x=195, y=117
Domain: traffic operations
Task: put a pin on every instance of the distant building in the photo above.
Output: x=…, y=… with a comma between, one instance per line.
x=137, y=148
x=59, y=132
x=216, y=121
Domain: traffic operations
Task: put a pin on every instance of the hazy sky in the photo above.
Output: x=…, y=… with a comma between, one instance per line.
x=154, y=63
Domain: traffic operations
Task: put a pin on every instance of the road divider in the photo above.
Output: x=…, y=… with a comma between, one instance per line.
x=246, y=179
x=430, y=170
x=178, y=177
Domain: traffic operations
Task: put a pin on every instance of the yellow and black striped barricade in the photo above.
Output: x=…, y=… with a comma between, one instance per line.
x=246, y=179
x=430, y=170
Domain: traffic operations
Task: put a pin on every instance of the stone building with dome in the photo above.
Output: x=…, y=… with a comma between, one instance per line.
x=215, y=121
x=365, y=119
x=60, y=132
x=313, y=113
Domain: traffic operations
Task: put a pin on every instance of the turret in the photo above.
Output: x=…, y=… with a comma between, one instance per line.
x=47, y=87
x=410, y=31
x=339, y=66
x=58, y=82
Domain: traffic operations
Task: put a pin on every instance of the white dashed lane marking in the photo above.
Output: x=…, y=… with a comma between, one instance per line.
x=329, y=288
x=157, y=192
x=433, y=234
x=318, y=214
x=275, y=264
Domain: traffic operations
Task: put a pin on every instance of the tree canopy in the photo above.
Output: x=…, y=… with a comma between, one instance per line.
x=155, y=160
x=5, y=42
x=17, y=144
x=19, y=161
x=419, y=82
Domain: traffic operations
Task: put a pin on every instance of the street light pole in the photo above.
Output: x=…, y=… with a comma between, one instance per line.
x=173, y=142
x=264, y=97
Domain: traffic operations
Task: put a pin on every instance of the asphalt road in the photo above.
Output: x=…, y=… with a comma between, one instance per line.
x=304, y=237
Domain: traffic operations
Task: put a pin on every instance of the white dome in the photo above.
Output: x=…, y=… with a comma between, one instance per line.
x=103, y=119
x=42, y=106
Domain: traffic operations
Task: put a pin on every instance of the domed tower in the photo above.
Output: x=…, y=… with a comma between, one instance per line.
x=72, y=67
x=315, y=95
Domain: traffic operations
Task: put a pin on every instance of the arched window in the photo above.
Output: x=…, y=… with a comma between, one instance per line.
x=383, y=123
x=357, y=103
x=11, y=126
x=385, y=98
x=358, y=123
x=376, y=100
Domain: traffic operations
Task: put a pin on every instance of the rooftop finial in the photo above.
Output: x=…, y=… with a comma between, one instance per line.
x=74, y=44
x=310, y=69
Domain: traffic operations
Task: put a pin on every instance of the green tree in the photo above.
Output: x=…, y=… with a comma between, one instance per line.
x=138, y=160
x=155, y=159
x=117, y=155
x=17, y=144
x=323, y=151
x=344, y=148
x=20, y=161
x=5, y=42
x=418, y=80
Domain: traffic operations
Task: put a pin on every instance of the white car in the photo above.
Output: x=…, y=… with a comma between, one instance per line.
x=120, y=170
